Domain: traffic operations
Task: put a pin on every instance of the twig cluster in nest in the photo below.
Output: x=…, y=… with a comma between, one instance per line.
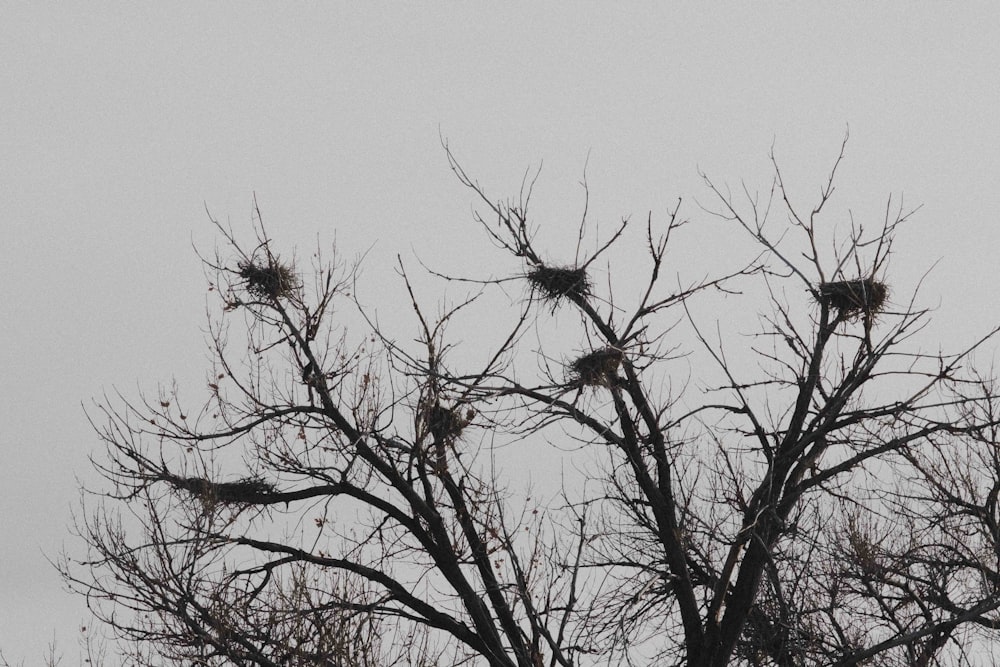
x=596, y=369
x=854, y=297
x=249, y=490
x=557, y=282
x=273, y=280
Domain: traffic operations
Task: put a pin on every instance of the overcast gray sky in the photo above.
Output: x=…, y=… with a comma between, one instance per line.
x=120, y=122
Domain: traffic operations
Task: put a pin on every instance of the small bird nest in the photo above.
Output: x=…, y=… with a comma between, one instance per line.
x=557, y=282
x=248, y=491
x=854, y=297
x=596, y=369
x=271, y=281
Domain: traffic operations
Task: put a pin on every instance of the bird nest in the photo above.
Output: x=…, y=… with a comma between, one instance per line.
x=271, y=281
x=446, y=424
x=596, y=369
x=247, y=491
x=854, y=297
x=557, y=282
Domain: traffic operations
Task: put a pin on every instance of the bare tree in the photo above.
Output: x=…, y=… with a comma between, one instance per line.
x=824, y=493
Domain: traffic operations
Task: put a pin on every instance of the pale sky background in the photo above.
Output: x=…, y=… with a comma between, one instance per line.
x=120, y=122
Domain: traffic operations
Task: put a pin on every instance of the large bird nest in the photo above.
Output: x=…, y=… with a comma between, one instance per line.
x=558, y=282
x=446, y=424
x=596, y=369
x=851, y=298
x=246, y=491
x=268, y=281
